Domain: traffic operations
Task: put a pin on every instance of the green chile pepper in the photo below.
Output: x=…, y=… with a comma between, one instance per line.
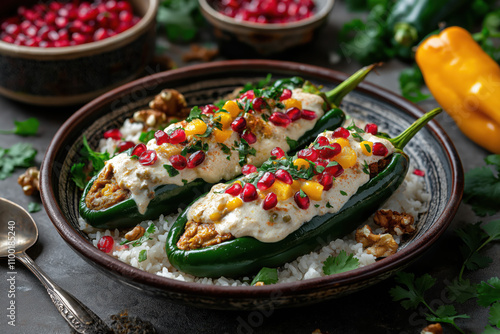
x=168, y=198
x=246, y=255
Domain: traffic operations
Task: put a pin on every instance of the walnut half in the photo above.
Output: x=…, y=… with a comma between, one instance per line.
x=379, y=245
x=29, y=181
x=432, y=329
x=394, y=222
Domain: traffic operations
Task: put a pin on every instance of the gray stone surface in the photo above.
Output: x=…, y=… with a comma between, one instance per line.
x=369, y=311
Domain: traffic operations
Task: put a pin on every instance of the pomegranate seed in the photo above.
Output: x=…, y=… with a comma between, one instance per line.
x=105, y=244
x=249, y=94
x=126, y=16
x=371, y=128
x=277, y=152
x=148, y=158
x=302, y=202
x=100, y=34
x=323, y=141
x=335, y=170
x=380, y=149
x=249, y=193
x=78, y=38
x=138, y=150
x=178, y=161
x=284, y=176
x=330, y=151
x=309, y=154
x=308, y=115
x=280, y=119
x=234, y=190
x=248, y=169
x=258, y=104
x=161, y=137
x=270, y=201
x=249, y=137
x=209, y=109
x=124, y=145
x=178, y=136
x=196, y=159
x=113, y=133
x=341, y=133
x=266, y=181
x=326, y=180
x=239, y=124
x=419, y=172
x=123, y=5
x=61, y=22
x=287, y=93
x=294, y=113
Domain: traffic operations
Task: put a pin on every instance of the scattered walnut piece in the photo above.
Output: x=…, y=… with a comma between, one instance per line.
x=432, y=329
x=135, y=233
x=394, y=222
x=380, y=245
x=259, y=284
x=170, y=102
x=198, y=52
x=151, y=118
x=29, y=181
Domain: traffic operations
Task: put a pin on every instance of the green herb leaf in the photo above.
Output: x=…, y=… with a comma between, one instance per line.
x=328, y=205
x=490, y=330
x=195, y=113
x=366, y=168
x=25, y=128
x=488, y=292
x=171, y=170
x=78, y=175
x=368, y=149
x=461, y=290
x=143, y=255
x=302, y=193
x=180, y=18
x=20, y=155
x=492, y=229
x=340, y=263
x=145, y=137
x=449, y=319
x=96, y=158
x=185, y=181
x=266, y=276
x=34, y=207
x=411, y=81
x=413, y=295
x=482, y=188
x=244, y=149
x=292, y=143
x=260, y=84
x=151, y=229
x=343, y=193
x=494, y=316
x=316, y=205
x=473, y=238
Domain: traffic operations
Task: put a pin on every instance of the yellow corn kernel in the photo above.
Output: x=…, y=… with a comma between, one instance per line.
x=107, y=190
x=215, y=216
x=224, y=118
x=301, y=163
x=195, y=127
x=342, y=142
x=222, y=135
x=312, y=189
x=290, y=103
x=296, y=185
x=366, y=147
x=232, y=108
x=347, y=158
x=233, y=203
x=282, y=190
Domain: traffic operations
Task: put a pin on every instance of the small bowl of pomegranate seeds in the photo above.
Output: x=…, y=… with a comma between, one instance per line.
x=64, y=52
x=264, y=27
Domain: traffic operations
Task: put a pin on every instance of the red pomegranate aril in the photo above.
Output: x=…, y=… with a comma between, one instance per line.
x=113, y=133
x=379, y=149
x=323, y=141
x=284, y=176
x=123, y=5
x=195, y=159
x=248, y=94
x=309, y=154
x=277, y=152
x=239, y=124
x=148, y=158
x=419, y=172
x=326, y=180
x=248, y=169
x=270, y=201
x=249, y=137
x=249, y=193
x=161, y=137
x=209, y=109
x=178, y=136
x=308, y=115
x=234, y=190
x=178, y=161
x=280, y=119
x=138, y=150
x=105, y=244
x=266, y=181
x=78, y=38
x=100, y=34
x=293, y=113
x=287, y=93
x=371, y=128
x=124, y=145
x=335, y=170
x=330, y=151
x=302, y=202
x=258, y=104
x=341, y=133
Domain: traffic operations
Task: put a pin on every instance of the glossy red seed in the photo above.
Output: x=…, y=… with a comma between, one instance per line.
x=284, y=176
x=379, y=149
x=239, y=124
x=249, y=137
x=124, y=145
x=287, y=93
x=330, y=151
x=309, y=154
x=178, y=136
x=234, y=190
x=335, y=170
x=266, y=181
x=148, y=158
x=105, y=244
x=371, y=128
x=326, y=180
x=270, y=201
x=161, y=137
x=293, y=113
x=419, y=172
x=308, y=115
x=277, y=152
x=341, y=133
x=323, y=141
x=178, y=161
x=113, y=133
x=248, y=94
x=100, y=34
x=302, y=202
x=249, y=193
x=258, y=104
x=196, y=159
x=248, y=169
x=280, y=119
x=138, y=150
x=209, y=109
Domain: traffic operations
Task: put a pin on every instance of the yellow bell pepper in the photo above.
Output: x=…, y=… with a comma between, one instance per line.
x=465, y=81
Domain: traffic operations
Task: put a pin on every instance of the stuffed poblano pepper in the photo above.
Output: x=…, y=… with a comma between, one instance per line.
x=185, y=159
x=290, y=206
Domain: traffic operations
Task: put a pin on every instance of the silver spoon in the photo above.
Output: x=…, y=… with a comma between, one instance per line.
x=18, y=232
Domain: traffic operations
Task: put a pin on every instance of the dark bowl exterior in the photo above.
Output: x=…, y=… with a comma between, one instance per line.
x=202, y=84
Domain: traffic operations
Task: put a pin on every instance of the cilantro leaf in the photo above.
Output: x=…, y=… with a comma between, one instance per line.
x=171, y=170
x=96, y=158
x=492, y=229
x=411, y=82
x=461, y=290
x=145, y=137
x=151, y=229
x=340, y=263
x=489, y=330
x=291, y=142
x=328, y=205
x=78, y=175
x=473, y=237
x=17, y=156
x=413, y=295
x=448, y=315
x=343, y=193
x=266, y=276
x=25, y=128
x=34, y=207
x=494, y=316
x=482, y=188
x=488, y=292
x=195, y=113
x=143, y=255
x=181, y=19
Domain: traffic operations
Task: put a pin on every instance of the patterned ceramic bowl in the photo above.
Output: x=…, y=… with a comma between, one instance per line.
x=237, y=38
x=76, y=74
x=430, y=150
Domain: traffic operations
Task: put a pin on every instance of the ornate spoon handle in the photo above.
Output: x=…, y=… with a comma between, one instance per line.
x=78, y=316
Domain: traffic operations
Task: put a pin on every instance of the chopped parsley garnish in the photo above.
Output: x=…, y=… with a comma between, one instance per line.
x=266, y=276
x=482, y=187
x=265, y=117
x=328, y=205
x=195, y=113
x=34, y=207
x=343, y=193
x=224, y=148
x=145, y=237
x=291, y=142
x=145, y=137
x=353, y=127
x=357, y=137
x=208, y=131
x=368, y=148
x=134, y=157
x=366, y=168
x=20, y=155
x=340, y=263
x=302, y=193
x=25, y=128
x=244, y=150
x=171, y=170
x=184, y=181
x=78, y=171
x=316, y=205
x=196, y=146
x=143, y=255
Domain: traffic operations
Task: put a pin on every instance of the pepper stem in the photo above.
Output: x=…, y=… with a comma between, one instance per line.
x=400, y=141
x=336, y=95
x=405, y=34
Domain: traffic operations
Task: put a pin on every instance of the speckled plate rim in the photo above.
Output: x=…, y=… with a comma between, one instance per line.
x=384, y=266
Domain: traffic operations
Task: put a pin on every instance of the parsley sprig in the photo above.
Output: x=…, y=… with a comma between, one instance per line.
x=20, y=155
x=25, y=128
x=340, y=263
x=482, y=187
x=80, y=173
x=147, y=236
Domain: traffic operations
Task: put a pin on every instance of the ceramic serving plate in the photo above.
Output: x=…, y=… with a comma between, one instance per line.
x=431, y=150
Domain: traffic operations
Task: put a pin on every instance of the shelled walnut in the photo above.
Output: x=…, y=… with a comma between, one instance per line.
x=394, y=222
x=432, y=329
x=29, y=181
x=379, y=245
x=170, y=102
